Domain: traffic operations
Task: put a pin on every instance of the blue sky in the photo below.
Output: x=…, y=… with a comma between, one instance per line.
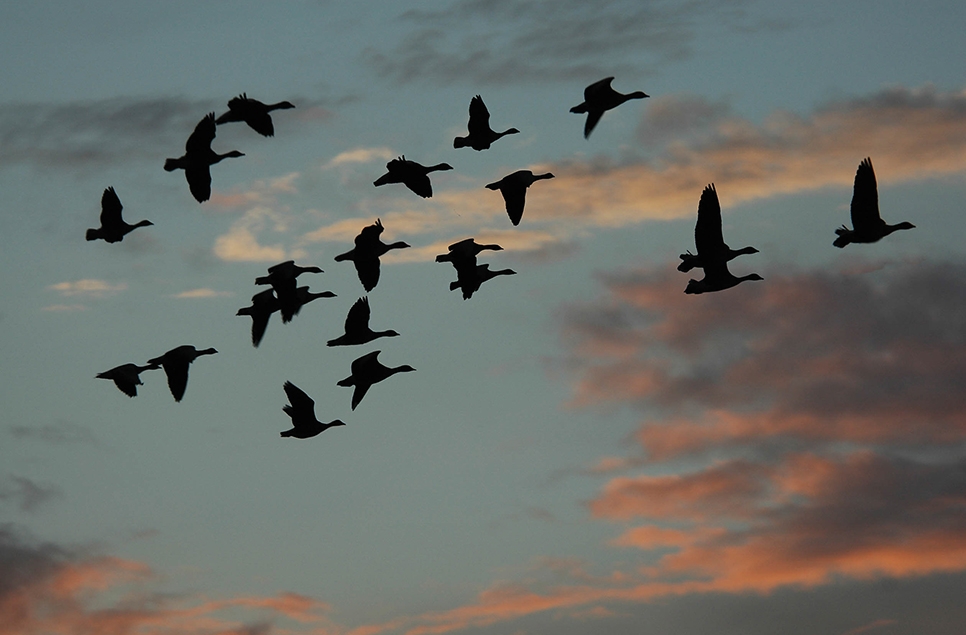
x=582, y=447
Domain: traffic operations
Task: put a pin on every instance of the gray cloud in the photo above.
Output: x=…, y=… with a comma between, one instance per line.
x=60, y=433
x=28, y=494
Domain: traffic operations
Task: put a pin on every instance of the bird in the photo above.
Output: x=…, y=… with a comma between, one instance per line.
x=717, y=278
x=175, y=364
x=465, y=250
x=198, y=158
x=113, y=229
x=366, y=371
x=707, y=235
x=599, y=97
x=254, y=113
x=411, y=174
x=357, y=329
x=514, y=189
x=470, y=279
x=867, y=224
x=302, y=412
x=480, y=134
x=263, y=305
x=291, y=305
x=365, y=255
x=127, y=377
x=285, y=272
x=282, y=278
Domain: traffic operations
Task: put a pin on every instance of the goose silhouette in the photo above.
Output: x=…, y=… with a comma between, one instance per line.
x=198, y=158
x=113, y=229
x=254, y=113
x=357, y=329
x=263, y=305
x=365, y=255
x=175, y=364
x=470, y=278
x=366, y=371
x=708, y=239
x=465, y=251
x=514, y=189
x=411, y=174
x=127, y=377
x=600, y=97
x=291, y=305
x=867, y=224
x=302, y=412
x=480, y=134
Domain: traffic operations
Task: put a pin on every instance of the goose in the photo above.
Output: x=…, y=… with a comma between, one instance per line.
x=127, y=377
x=263, y=305
x=470, y=279
x=707, y=235
x=175, y=364
x=717, y=278
x=113, y=229
x=292, y=304
x=357, y=329
x=464, y=251
x=254, y=113
x=302, y=412
x=198, y=158
x=599, y=97
x=365, y=255
x=480, y=135
x=411, y=174
x=285, y=272
x=514, y=189
x=868, y=226
x=366, y=371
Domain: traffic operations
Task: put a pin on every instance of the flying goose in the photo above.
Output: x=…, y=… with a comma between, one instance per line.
x=411, y=174
x=198, y=158
x=365, y=255
x=127, y=377
x=292, y=304
x=717, y=278
x=302, y=412
x=868, y=226
x=357, y=329
x=465, y=250
x=175, y=364
x=470, y=278
x=366, y=371
x=514, y=189
x=254, y=113
x=707, y=235
x=599, y=97
x=480, y=135
x=113, y=229
x=263, y=305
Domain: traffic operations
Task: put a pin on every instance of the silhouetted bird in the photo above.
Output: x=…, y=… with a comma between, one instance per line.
x=411, y=174
x=707, y=235
x=357, y=329
x=480, y=135
x=292, y=305
x=599, y=97
x=470, y=279
x=366, y=254
x=367, y=371
x=113, y=229
x=464, y=250
x=198, y=158
x=302, y=412
x=285, y=272
x=127, y=377
x=514, y=189
x=868, y=226
x=263, y=305
x=175, y=364
x=282, y=278
x=717, y=278
x=254, y=113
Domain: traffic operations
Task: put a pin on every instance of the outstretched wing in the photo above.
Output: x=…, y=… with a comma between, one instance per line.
x=593, y=116
x=177, y=373
x=204, y=133
x=707, y=231
x=358, y=316
x=479, y=117
x=865, y=197
x=515, y=197
x=199, y=182
x=301, y=402
x=595, y=89
x=110, y=208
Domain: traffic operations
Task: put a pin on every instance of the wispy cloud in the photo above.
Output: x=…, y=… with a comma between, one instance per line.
x=88, y=287
x=240, y=243
x=359, y=155
x=60, y=433
x=28, y=494
x=202, y=293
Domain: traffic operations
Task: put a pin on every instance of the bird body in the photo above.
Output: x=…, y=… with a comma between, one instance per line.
x=198, y=158
x=357, y=329
x=366, y=371
x=254, y=113
x=464, y=250
x=113, y=228
x=480, y=134
x=302, y=412
x=175, y=364
x=366, y=253
x=290, y=306
x=411, y=174
x=708, y=238
x=127, y=377
x=867, y=224
x=263, y=305
x=600, y=97
x=514, y=189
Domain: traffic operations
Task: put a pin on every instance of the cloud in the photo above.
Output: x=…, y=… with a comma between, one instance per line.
x=240, y=243
x=203, y=293
x=65, y=308
x=88, y=287
x=26, y=493
x=360, y=155
x=262, y=192
x=60, y=433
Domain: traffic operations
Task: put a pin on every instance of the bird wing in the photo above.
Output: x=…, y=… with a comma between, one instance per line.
x=110, y=208
x=259, y=324
x=177, y=373
x=707, y=231
x=199, y=182
x=260, y=122
x=865, y=197
x=479, y=116
x=368, y=270
x=361, y=365
x=283, y=268
x=204, y=133
x=300, y=401
x=593, y=116
x=420, y=184
x=358, y=317
x=515, y=198
x=593, y=91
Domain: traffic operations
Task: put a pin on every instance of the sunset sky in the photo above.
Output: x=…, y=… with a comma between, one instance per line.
x=583, y=448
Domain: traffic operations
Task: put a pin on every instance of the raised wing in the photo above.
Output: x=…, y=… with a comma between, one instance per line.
x=358, y=317
x=199, y=182
x=865, y=197
x=204, y=133
x=479, y=116
x=595, y=89
x=300, y=401
x=707, y=231
x=110, y=208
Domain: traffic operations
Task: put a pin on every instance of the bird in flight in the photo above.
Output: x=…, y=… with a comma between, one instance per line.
x=357, y=329
x=366, y=371
x=113, y=229
x=514, y=189
x=365, y=255
x=127, y=377
x=254, y=113
x=411, y=174
x=708, y=239
x=480, y=134
x=175, y=364
x=198, y=159
x=600, y=97
x=302, y=412
x=867, y=224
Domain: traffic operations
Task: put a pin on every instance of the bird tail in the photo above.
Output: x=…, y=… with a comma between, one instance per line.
x=287, y=433
x=844, y=237
x=345, y=256
x=460, y=142
x=493, y=186
x=170, y=165
x=93, y=234
x=579, y=108
x=348, y=381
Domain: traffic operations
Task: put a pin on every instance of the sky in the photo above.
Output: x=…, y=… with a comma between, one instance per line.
x=583, y=448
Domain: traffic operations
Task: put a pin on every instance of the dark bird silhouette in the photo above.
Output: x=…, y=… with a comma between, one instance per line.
x=707, y=235
x=175, y=364
x=366, y=371
x=470, y=278
x=480, y=135
x=302, y=412
x=254, y=113
x=357, y=329
x=365, y=255
x=717, y=278
x=263, y=305
x=127, y=377
x=514, y=189
x=198, y=158
x=291, y=306
x=867, y=224
x=464, y=251
x=284, y=273
x=282, y=278
x=113, y=229
x=411, y=174
x=599, y=97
